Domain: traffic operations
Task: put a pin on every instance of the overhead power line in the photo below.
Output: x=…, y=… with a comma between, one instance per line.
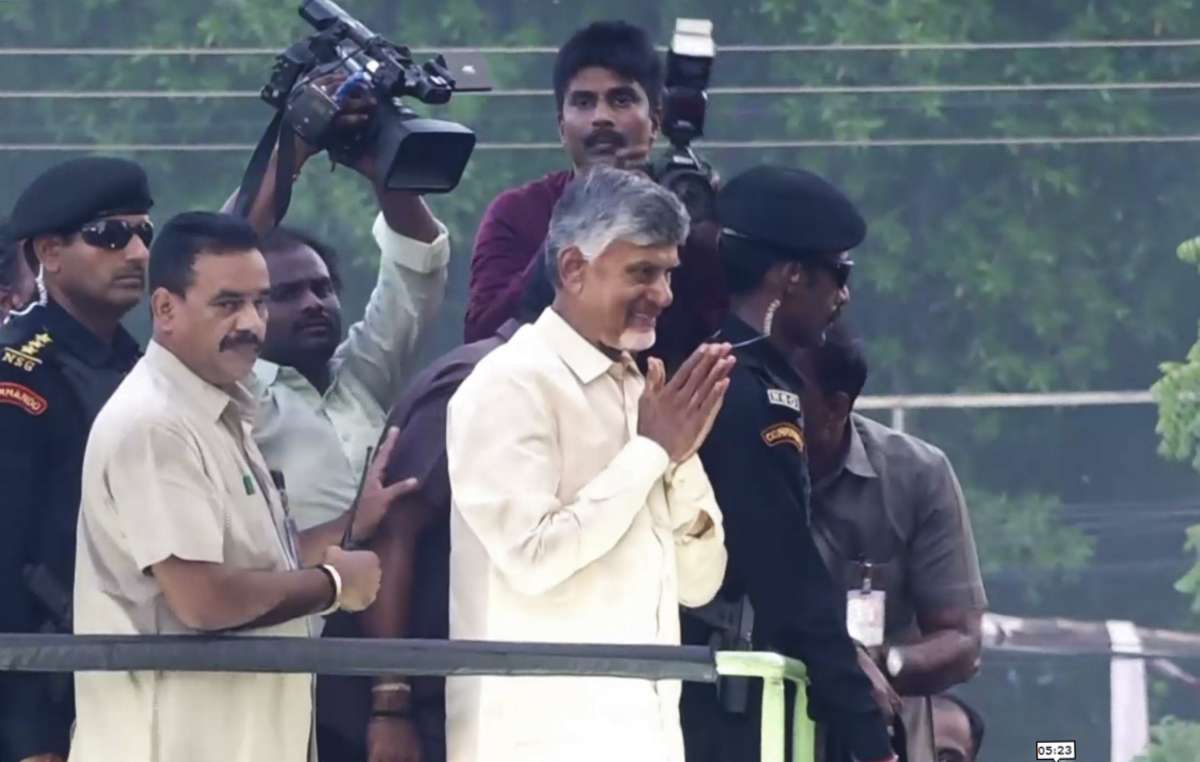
x=853, y=47
x=913, y=89
x=969, y=142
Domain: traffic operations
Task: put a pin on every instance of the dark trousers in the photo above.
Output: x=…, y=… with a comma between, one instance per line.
x=343, y=704
x=344, y=708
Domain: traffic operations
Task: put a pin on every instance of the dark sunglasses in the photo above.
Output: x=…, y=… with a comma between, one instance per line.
x=840, y=269
x=116, y=234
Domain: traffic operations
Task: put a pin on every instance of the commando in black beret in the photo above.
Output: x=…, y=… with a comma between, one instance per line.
x=793, y=212
x=72, y=194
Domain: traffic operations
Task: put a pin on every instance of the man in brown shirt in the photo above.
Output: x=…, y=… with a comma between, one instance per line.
x=890, y=521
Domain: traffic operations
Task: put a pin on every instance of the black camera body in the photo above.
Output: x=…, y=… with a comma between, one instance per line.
x=685, y=104
x=416, y=153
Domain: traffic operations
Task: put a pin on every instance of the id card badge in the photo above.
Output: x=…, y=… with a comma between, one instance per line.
x=864, y=616
x=291, y=533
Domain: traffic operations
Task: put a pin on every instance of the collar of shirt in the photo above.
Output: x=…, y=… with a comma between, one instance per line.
x=210, y=400
x=267, y=374
x=582, y=357
x=79, y=341
x=855, y=460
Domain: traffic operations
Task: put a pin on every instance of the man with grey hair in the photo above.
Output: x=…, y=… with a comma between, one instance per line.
x=580, y=511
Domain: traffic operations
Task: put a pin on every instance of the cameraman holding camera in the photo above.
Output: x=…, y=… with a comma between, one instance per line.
x=323, y=401
x=608, y=85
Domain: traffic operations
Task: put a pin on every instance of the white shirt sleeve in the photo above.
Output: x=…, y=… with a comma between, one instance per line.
x=700, y=559
x=503, y=455
x=409, y=292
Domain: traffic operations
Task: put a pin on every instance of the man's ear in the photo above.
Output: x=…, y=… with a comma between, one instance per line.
x=48, y=250
x=791, y=276
x=164, y=309
x=571, y=267
x=656, y=120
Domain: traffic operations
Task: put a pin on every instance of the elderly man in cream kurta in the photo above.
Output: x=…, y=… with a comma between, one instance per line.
x=580, y=511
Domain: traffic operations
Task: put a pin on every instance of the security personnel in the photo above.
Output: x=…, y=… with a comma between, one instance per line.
x=84, y=222
x=890, y=520
x=784, y=242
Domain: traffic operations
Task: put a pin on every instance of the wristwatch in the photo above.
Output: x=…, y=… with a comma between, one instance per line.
x=894, y=662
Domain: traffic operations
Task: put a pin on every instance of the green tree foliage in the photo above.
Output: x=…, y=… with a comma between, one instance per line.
x=1178, y=396
x=1024, y=533
x=987, y=268
x=1173, y=740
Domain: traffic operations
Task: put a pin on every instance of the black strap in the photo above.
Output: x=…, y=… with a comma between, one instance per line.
x=283, y=170
x=278, y=134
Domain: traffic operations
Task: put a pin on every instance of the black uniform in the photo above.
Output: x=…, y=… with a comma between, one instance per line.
x=755, y=460
x=54, y=377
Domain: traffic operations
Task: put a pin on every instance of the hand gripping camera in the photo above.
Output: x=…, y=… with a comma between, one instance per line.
x=689, y=66
x=415, y=153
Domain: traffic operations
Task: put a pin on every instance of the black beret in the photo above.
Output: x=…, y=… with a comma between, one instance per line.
x=793, y=212
x=69, y=195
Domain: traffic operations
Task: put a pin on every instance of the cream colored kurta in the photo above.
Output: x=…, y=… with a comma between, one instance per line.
x=171, y=470
x=568, y=527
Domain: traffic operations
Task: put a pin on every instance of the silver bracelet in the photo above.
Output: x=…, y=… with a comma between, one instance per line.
x=396, y=686
x=336, y=579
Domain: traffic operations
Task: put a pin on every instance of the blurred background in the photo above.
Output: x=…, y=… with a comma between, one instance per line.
x=1027, y=168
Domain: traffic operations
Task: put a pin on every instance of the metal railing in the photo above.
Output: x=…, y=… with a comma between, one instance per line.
x=366, y=657
x=900, y=404
x=775, y=671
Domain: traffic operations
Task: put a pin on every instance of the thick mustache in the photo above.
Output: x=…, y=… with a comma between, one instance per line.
x=235, y=340
x=611, y=137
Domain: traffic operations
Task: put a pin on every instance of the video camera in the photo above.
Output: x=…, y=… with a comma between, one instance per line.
x=689, y=66
x=416, y=153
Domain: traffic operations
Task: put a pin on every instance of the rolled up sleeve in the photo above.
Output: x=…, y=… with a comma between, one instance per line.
x=415, y=255
x=379, y=349
x=945, y=564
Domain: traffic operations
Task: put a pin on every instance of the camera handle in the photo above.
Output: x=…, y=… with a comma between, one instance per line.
x=278, y=133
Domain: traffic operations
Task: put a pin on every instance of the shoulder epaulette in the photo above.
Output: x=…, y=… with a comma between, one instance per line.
x=24, y=342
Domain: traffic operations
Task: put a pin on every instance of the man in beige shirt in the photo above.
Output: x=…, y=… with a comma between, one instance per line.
x=580, y=512
x=182, y=531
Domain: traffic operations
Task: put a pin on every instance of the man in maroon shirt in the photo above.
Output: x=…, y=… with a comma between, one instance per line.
x=608, y=84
